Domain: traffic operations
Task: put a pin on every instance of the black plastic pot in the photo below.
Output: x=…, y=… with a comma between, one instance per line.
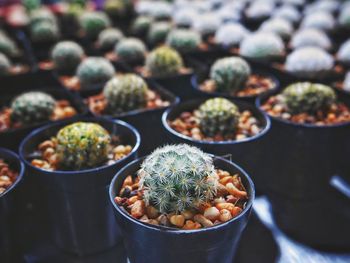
x=148, y=121
x=149, y=243
x=81, y=216
x=8, y=207
x=247, y=152
x=12, y=138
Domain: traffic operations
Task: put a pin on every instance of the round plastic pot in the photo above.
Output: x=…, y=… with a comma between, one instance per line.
x=81, y=216
x=247, y=152
x=300, y=159
x=8, y=207
x=12, y=138
x=149, y=243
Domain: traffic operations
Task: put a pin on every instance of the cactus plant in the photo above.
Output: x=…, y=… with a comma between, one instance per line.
x=141, y=25
x=287, y=12
x=67, y=55
x=279, y=26
x=344, y=17
x=158, y=32
x=321, y=20
x=344, y=53
x=310, y=37
x=307, y=97
x=125, y=92
x=44, y=32
x=164, y=61
x=32, y=107
x=184, y=17
x=259, y=10
x=31, y=4
x=5, y=65
x=116, y=8
x=230, y=74
x=176, y=178
x=108, y=38
x=82, y=145
x=94, y=71
x=93, y=23
x=218, y=116
x=346, y=84
x=183, y=40
x=230, y=34
x=262, y=46
x=160, y=10
x=309, y=62
x=206, y=24
x=130, y=49
x=42, y=15
x=7, y=46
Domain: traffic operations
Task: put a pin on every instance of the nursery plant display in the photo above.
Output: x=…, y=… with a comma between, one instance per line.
x=66, y=56
x=8, y=176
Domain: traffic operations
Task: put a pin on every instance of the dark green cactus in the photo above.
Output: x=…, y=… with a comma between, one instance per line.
x=184, y=40
x=44, y=32
x=67, y=55
x=158, y=32
x=130, y=49
x=7, y=46
x=108, y=38
x=141, y=25
x=93, y=23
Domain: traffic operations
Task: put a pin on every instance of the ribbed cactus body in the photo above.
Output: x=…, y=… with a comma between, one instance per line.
x=108, y=38
x=184, y=40
x=230, y=34
x=129, y=49
x=43, y=32
x=67, y=55
x=305, y=97
x=125, y=93
x=32, y=107
x=310, y=37
x=218, y=116
x=93, y=23
x=5, y=65
x=158, y=32
x=175, y=178
x=82, y=145
x=230, y=74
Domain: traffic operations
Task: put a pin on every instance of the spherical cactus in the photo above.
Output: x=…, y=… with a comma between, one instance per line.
x=42, y=15
x=262, y=46
x=125, y=93
x=82, y=145
x=310, y=37
x=67, y=55
x=160, y=10
x=93, y=23
x=176, y=178
x=108, y=38
x=116, y=8
x=206, y=24
x=218, y=116
x=309, y=62
x=184, y=17
x=306, y=97
x=184, y=40
x=259, y=10
x=94, y=71
x=344, y=53
x=5, y=65
x=32, y=107
x=141, y=25
x=344, y=17
x=322, y=6
x=31, y=4
x=158, y=32
x=230, y=74
x=130, y=49
x=230, y=34
x=346, y=84
x=320, y=20
x=288, y=12
x=44, y=32
x=279, y=26
x=164, y=61
x=7, y=46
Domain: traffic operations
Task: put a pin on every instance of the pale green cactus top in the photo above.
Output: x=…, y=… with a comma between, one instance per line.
x=184, y=40
x=130, y=49
x=67, y=55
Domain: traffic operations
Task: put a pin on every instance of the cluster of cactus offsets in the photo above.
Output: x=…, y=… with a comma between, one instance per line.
x=344, y=53
x=158, y=32
x=218, y=116
x=309, y=62
x=141, y=25
x=176, y=178
x=82, y=145
x=306, y=97
x=125, y=92
x=230, y=34
x=129, y=49
x=108, y=38
x=67, y=55
x=7, y=46
x=5, y=65
x=93, y=23
x=184, y=40
x=164, y=61
x=262, y=46
x=32, y=107
x=310, y=37
x=230, y=74
x=279, y=26
x=94, y=71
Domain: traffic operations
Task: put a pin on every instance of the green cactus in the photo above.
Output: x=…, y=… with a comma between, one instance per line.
x=93, y=23
x=5, y=65
x=108, y=38
x=117, y=8
x=130, y=49
x=218, y=116
x=125, y=93
x=7, y=46
x=230, y=74
x=31, y=4
x=42, y=15
x=141, y=25
x=44, y=32
x=279, y=26
x=67, y=55
x=32, y=107
x=82, y=145
x=158, y=32
x=184, y=40
x=94, y=71
x=307, y=97
x=164, y=61
x=175, y=178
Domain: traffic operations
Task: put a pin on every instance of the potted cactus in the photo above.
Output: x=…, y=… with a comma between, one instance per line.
x=132, y=99
x=230, y=35
x=178, y=211
x=223, y=127
x=310, y=37
x=108, y=39
x=279, y=26
x=158, y=33
x=72, y=159
x=233, y=77
x=140, y=26
x=92, y=23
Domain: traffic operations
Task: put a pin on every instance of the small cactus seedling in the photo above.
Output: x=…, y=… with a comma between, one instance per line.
x=44, y=32
x=184, y=40
x=125, y=92
x=93, y=23
x=67, y=55
x=306, y=97
x=158, y=32
x=32, y=107
x=5, y=65
x=175, y=178
x=230, y=74
x=82, y=145
x=218, y=116
x=141, y=25
x=129, y=49
x=164, y=61
x=230, y=35
x=108, y=38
